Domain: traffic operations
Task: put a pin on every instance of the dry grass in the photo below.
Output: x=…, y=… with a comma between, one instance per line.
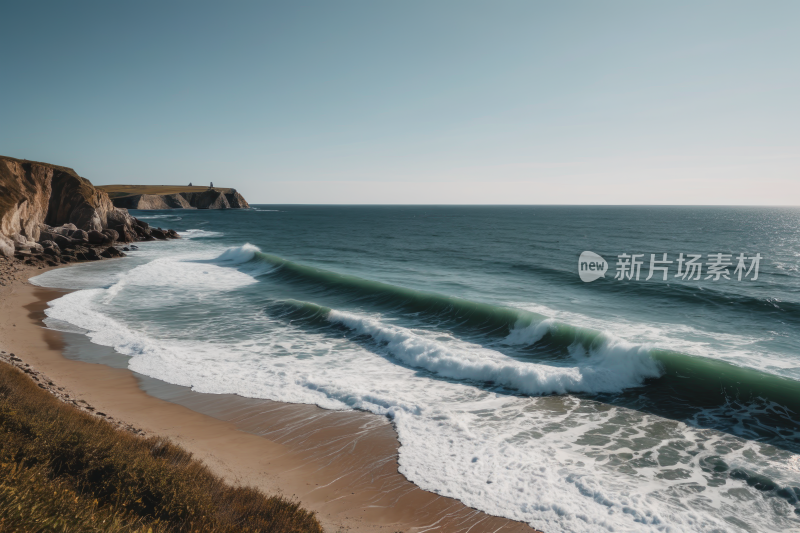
x=62, y=470
x=118, y=191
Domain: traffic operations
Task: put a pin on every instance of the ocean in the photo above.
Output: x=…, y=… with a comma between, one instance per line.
x=514, y=386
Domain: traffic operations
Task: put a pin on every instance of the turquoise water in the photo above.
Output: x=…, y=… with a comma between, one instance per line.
x=616, y=405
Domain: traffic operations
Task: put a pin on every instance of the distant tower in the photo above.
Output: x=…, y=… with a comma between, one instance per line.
x=190, y=184
x=212, y=185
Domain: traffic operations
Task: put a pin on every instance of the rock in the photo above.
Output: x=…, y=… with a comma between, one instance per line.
x=153, y=201
x=111, y=252
x=6, y=246
x=47, y=236
x=172, y=234
x=236, y=200
x=122, y=223
x=95, y=237
x=66, y=230
x=87, y=254
x=49, y=244
x=36, y=248
x=21, y=244
x=24, y=198
x=208, y=199
x=40, y=196
x=44, y=202
x=158, y=233
x=128, y=235
x=126, y=249
x=64, y=242
x=142, y=229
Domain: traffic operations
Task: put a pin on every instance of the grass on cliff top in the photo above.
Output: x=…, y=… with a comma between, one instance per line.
x=118, y=191
x=64, y=470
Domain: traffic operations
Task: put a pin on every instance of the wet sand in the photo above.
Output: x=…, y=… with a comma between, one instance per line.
x=343, y=465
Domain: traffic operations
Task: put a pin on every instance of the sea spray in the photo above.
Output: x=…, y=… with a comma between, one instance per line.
x=709, y=444
x=612, y=367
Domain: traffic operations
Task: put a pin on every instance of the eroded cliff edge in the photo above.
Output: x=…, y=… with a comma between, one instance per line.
x=44, y=203
x=174, y=197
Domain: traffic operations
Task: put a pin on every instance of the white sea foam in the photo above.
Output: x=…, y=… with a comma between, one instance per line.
x=531, y=334
x=198, y=234
x=239, y=254
x=149, y=217
x=612, y=367
x=739, y=349
x=551, y=461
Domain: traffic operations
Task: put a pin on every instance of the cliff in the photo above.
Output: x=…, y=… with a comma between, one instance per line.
x=174, y=197
x=36, y=197
x=153, y=201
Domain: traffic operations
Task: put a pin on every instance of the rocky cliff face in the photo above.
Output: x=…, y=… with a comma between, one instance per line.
x=153, y=201
x=36, y=197
x=210, y=199
x=24, y=201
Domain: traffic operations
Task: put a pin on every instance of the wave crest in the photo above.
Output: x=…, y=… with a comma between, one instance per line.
x=613, y=367
x=239, y=254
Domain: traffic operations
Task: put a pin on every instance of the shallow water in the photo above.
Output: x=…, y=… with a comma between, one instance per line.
x=514, y=386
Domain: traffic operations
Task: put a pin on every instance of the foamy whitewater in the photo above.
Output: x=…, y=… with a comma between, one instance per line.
x=513, y=386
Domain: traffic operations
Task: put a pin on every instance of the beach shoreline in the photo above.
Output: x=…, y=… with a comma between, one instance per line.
x=341, y=464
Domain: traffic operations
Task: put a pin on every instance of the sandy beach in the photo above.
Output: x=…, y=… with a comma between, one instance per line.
x=343, y=465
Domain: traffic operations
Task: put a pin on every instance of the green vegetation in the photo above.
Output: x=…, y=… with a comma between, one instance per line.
x=118, y=191
x=62, y=470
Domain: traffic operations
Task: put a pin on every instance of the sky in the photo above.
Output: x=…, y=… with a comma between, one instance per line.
x=413, y=102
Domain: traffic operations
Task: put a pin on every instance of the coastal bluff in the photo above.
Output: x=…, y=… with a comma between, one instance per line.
x=147, y=197
x=49, y=210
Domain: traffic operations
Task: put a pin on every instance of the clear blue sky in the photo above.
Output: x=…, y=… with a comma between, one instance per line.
x=596, y=102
